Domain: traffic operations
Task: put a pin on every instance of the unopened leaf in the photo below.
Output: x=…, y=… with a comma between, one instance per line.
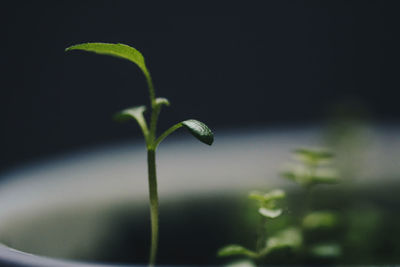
x=162, y=101
x=199, y=130
x=130, y=113
x=135, y=113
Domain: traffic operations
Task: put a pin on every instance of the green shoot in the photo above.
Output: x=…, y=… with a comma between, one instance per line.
x=267, y=202
x=312, y=168
x=267, y=208
x=149, y=129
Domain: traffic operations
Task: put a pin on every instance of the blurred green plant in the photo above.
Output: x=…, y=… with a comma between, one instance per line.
x=195, y=127
x=313, y=167
x=289, y=238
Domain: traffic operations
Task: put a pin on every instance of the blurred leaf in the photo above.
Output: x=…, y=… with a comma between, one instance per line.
x=272, y=195
x=326, y=250
x=241, y=263
x=288, y=238
x=325, y=176
x=116, y=50
x=291, y=175
x=313, y=156
x=199, y=130
x=270, y=213
x=320, y=219
x=298, y=173
x=232, y=250
x=305, y=176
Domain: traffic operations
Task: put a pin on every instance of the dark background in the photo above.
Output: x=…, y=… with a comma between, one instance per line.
x=279, y=63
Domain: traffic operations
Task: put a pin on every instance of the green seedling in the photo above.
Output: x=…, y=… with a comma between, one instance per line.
x=289, y=238
x=148, y=126
x=314, y=168
x=267, y=202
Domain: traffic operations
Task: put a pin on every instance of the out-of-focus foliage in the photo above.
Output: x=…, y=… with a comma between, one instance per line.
x=307, y=237
x=320, y=219
x=313, y=167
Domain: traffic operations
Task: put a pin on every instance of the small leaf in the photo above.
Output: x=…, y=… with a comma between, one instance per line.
x=199, y=130
x=241, y=263
x=265, y=197
x=130, y=113
x=135, y=113
x=305, y=176
x=298, y=173
x=326, y=250
x=116, y=50
x=288, y=238
x=270, y=213
x=320, y=219
x=325, y=176
x=232, y=250
x=256, y=195
x=162, y=101
x=313, y=156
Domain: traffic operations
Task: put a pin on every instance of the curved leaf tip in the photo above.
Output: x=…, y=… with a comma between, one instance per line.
x=162, y=101
x=200, y=131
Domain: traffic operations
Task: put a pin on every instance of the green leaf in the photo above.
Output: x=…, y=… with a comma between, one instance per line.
x=199, y=130
x=313, y=156
x=241, y=263
x=196, y=128
x=288, y=238
x=116, y=50
x=270, y=213
x=320, y=219
x=325, y=176
x=299, y=174
x=135, y=113
x=232, y=250
x=305, y=176
x=272, y=195
x=332, y=250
